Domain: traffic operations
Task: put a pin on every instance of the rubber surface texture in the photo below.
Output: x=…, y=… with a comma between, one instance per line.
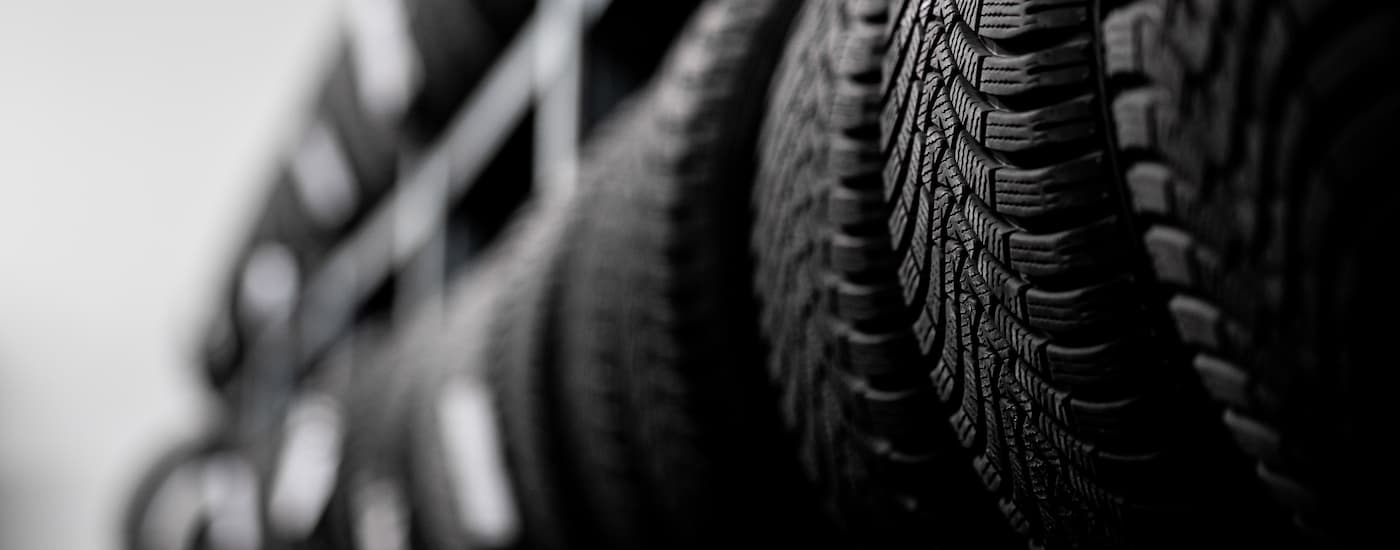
x=826, y=280
x=944, y=214
x=523, y=375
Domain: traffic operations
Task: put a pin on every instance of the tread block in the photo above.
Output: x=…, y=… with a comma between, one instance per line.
x=1224, y=381
x=1063, y=65
x=865, y=302
x=1151, y=187
x=873, y=355
x=1085, y=369
x=1173, y=255
x=1135, y=112
x=857, y=254
x=850, y=207
x=892, y=414
x=1080, y=250
x=1128, y=33
x=1066, y=122
x=1091, y=308
x=1254, y=436
x=1063, y=187
x=1288, y=491
x=1004, y=19
x=1199, y=322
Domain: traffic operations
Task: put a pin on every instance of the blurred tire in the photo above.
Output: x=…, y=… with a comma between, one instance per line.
x=672, y=426
x=432, y=53
x=481, y=473
x=1255, y=135
x=521, y=374
x=372, y=506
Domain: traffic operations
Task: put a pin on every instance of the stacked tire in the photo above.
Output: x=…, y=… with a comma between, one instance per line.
x=920, y=274
x=1006, y=215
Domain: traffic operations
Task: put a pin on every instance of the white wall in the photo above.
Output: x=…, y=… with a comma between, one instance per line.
x=132, y=137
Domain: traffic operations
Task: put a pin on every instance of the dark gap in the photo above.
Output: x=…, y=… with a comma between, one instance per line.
x=620, y=55
x=478, y=218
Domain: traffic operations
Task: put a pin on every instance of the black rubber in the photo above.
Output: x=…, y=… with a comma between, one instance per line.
x=490, y=332
x=523, y=376
x=670, y=420
x=942, y=213
x=1256, y=136
x=488, y=327
x=892, y=476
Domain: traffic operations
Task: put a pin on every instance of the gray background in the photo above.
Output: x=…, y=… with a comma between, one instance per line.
x=133, y=138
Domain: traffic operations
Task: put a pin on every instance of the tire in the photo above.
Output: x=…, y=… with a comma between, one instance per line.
x=957, y=234
x=1252, y=133
x=484, y=304
x=522, y=374
x=673, y=425
x=892, y=477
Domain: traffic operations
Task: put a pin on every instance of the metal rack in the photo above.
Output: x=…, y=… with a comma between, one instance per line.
x=402, y=240
x=361, y=238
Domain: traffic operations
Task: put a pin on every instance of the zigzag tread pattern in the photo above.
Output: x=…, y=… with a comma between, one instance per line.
x=1013, y=259
x=831, y=303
